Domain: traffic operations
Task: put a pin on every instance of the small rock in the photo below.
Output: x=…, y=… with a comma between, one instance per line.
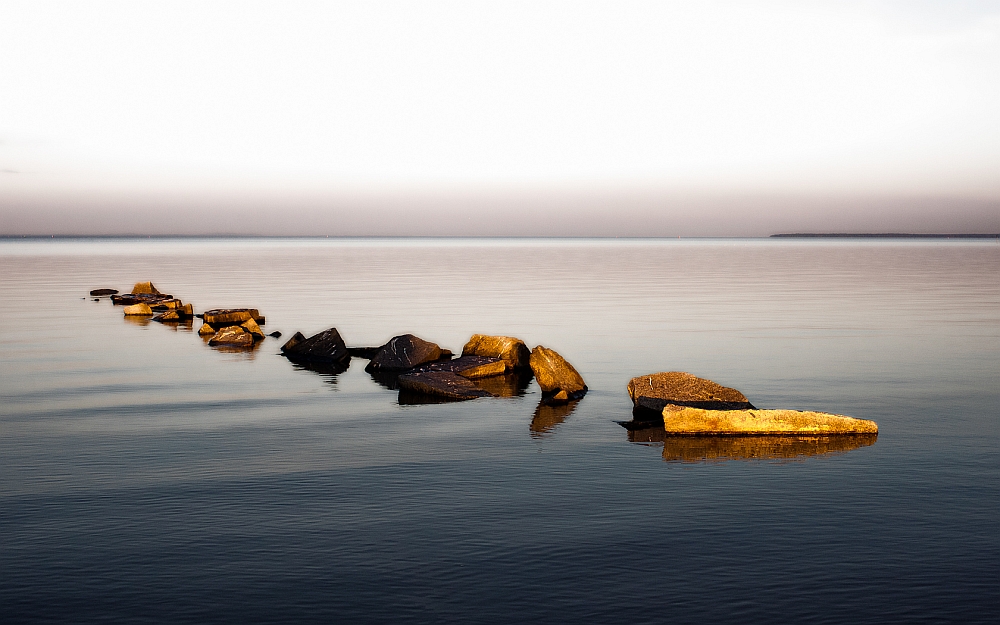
x=556, y=376
x=275, y=335
x=471, y=367
x=686, y=420
x=650, y=393
x=509, y=349
x=232, y=316
x=144, y=288
x=186, y=311
x=445, y=384
x=232, y=336
x=403, y=352
x=169, y=316
x=251, y=326
x=138, y=298
x=103, y=292
x=327, y=346
x=167, y=304
x=138, y=310
x=206, y=330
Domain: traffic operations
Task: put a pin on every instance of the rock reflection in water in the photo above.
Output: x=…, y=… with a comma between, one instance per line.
x=137, y=321
x=549, y=416
x=387, y=379
x=183, y=325
x=509, y=385
x=327, y=371
x=722, y=448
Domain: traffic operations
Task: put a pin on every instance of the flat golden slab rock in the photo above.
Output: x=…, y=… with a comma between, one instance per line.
x=697, y=421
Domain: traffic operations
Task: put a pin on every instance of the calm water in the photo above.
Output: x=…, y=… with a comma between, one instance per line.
x=147, y=477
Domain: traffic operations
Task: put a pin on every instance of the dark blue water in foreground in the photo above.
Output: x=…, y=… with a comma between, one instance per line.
x=145, y=477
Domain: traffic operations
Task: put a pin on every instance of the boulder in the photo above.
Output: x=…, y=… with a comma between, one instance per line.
x=206, y=330
x=170, y=316
x=186, y=311
x=471, y=367
x=251, y=326
x=326, y=347
x=557, y=378
x=687, y=420
x=138, y=310
x=103, y=292
x=232, y=316
x=509, y=349
x=444, y=384
x=167, y=304
x=232, y=336
x=650, y=393
x=403, y=352
x=144, y=288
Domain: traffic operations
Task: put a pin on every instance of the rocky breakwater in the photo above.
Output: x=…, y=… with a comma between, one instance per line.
x=559, y=381
x=146, y=300
x=453, y=379
x=693, y=406
x=232, y=327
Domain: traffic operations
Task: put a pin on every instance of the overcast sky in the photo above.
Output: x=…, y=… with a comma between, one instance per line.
x=529, y=118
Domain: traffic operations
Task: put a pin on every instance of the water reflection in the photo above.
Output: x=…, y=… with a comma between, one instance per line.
x=327, y=371
x=722, y=448
x=509, y=385
x=137, y=321
x=185, y=325
x=549, y=416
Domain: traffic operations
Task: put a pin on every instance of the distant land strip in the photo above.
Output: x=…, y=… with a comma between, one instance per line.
x=880, y=235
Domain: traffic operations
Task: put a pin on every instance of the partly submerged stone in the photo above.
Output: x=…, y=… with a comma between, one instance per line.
x=251, y=326
x=232, y=336
x=167, y=304
x=144, y=288
x=650, y=393
x=127, y=299
x=138, y=310
x=186, y=311
x=207, y=330
x=687, y=420
x=170, y=316
x=471, y=367
x=232, y=316
x=444, y=384
x=325, y=347
x=103, y=292
x=507, y=348
x=275, y=334
x=403, y=352
x=557, y=378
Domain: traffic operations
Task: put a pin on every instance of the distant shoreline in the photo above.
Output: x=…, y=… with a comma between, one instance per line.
x=880, y=235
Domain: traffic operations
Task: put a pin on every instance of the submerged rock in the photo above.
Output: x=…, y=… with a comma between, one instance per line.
x=103, y=292
x=444, y=384
x=186, y=311
x=138, y=310
x=220, y=317
x=251, y=326
x=167, y=304
x=144, y=288
x=275, y=335
x=207, y=330
x=170, y=316
x=507, y=348
x=404, y=352
x=687, y=420
x=232, y=336
x=557, y=378
x=471, y=367
x=650, y=393
x=325, y=347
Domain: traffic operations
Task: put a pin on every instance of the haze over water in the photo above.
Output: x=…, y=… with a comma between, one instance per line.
x=148, y=477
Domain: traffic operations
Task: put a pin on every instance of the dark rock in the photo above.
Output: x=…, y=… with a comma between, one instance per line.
x=403, y=352
x=326, y=347
x=232, y=336
x=363, y=352
x=103, y=292
x=129, y=299
x=221, y=317
x=557, y=378
x=509, y=349
x=650, y=393
x=275, y=335
x=471, y=367
x=167, y=304
x=186, y=311
x=443, y=384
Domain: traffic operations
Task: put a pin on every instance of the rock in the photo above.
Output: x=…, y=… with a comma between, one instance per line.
x=232, y=336
x=251, y=326
x=444, y=384
x=232, y=316
x=103, y=292
x=687, y=420
x=206, y=330
x=167, y=304
x=186, y=311
x=138, y=310
x=403, y=352
x=650, y=393
x=144, y=288
x=509, y=349
x=167, y=317
x=364, y=352
x=275, y=335
x=555, y=375
x=138, y=298
x=327, y=346
x=471, y=367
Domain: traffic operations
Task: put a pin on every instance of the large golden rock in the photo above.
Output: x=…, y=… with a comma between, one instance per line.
x=138, y=310
x=687, y=420
x=403, y=352
x=471, y=367
x=654, y=391
x=232, y=336
x=556, y=377
x=144, y=288
x=232, y=316
x=507, y=348
x=444, y=384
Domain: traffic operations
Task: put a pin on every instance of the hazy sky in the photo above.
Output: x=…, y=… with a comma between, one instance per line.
x=547, y=118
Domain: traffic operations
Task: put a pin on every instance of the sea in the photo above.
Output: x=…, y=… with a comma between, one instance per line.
x=146, y=477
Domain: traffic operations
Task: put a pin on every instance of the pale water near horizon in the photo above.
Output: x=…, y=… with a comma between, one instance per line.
x=146, y=477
